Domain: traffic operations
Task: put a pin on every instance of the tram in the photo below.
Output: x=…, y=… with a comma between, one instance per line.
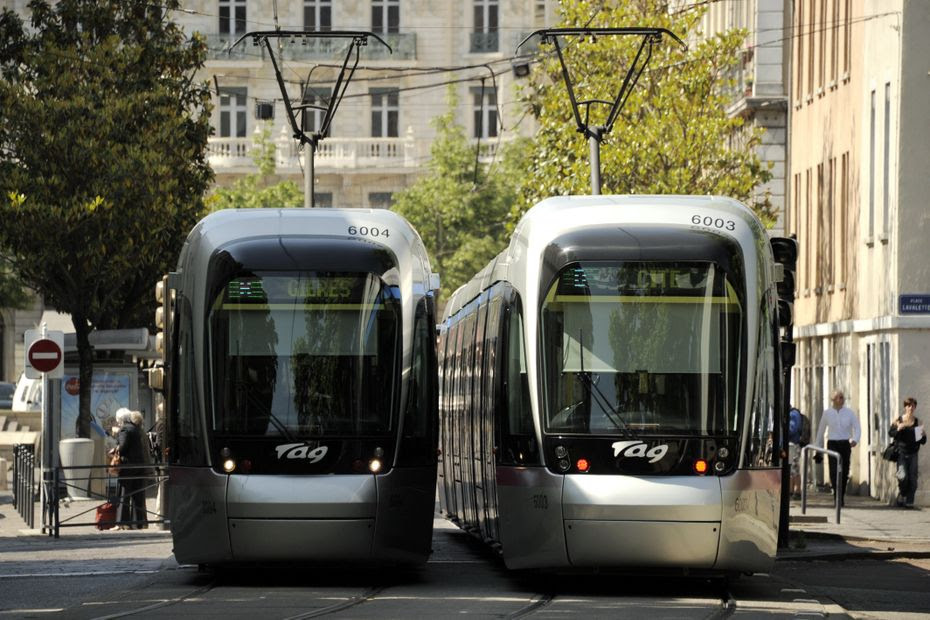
x=301, y=389
x=608, y=389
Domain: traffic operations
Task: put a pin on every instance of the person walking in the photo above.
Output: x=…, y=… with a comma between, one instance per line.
x=132, y=510
x=841, y=425
x=908, y=435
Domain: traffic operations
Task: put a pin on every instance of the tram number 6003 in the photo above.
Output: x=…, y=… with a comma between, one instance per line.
x=713, y=222
x=541, y=502
x=369, y=231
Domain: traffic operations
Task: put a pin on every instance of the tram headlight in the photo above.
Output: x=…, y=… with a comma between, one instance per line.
x=379, y=452
x=374, y=465
x=723, y=453
x=719, y=466
x=561, y=452
x=564, y=465
x=229, y=466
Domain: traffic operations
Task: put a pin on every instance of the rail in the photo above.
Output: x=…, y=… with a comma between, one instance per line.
x=105, y=513
x=24, y=483
x=838, y=494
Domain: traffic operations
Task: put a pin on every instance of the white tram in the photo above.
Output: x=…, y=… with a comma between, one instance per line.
x=608, y=388
x=302, y=389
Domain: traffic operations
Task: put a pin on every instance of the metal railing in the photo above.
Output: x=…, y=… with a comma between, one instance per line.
x=838, y=487
x=150, y=476
x=24, y=482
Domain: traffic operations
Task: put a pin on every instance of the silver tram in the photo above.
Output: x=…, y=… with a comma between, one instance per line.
x=302, y=396
x=608, y=389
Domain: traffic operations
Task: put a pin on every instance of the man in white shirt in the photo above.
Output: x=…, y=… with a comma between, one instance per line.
x=842, y=427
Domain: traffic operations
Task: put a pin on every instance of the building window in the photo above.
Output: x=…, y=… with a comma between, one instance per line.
x=232, y=17
x=820, y=245
x=835, y=41
x=311, y=119
x=318, y=15
x=233, y=112
x=886, y=164
x=799, y=43
x=830, y=227
x=323, y=199
x=380, y=200
x=484, y=37
x=808, y=234
x=844, y=206
x=822, y=27
x=484, y=109
x=871, y=167
x=384, y=112
x=385, y=16
x=847, y=38
x=811, y=6
x=539, y=13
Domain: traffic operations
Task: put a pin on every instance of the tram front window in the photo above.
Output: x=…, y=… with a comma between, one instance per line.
x=303, y=355
x=642, y=347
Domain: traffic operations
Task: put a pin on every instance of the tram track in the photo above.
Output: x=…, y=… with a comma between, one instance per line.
x=159, y=605
x=365, y=596
x=727, y=607
x=535, y=605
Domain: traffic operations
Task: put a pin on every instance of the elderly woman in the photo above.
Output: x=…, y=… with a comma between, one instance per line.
x=132, y=512
x=908, y=436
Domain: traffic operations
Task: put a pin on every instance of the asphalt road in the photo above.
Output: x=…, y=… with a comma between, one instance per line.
x=133, y=575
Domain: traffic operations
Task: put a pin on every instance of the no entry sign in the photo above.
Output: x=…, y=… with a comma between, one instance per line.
x=44, y=354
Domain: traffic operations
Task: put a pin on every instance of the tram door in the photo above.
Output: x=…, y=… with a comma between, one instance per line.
x=465, y=422
x=491, y=395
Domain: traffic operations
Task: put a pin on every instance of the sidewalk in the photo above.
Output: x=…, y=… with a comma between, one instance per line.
x=867, y=528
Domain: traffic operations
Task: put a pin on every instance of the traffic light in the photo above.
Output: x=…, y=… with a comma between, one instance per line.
x=164, y=312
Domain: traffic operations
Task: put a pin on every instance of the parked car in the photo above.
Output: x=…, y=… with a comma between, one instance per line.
x=6, y=395
x=28, y=395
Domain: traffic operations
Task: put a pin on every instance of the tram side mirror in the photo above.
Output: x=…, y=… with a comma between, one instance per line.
x=788, y=353
x=434, y=281
x=785, y=251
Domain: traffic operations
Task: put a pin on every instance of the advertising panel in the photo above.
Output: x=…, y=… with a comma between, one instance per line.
x=110, y=389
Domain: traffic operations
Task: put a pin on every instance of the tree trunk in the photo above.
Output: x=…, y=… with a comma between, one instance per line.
x=85, y=374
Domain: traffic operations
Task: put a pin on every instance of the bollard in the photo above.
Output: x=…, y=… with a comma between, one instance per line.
x=4, y=471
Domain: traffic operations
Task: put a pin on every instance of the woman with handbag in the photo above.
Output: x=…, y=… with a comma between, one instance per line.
x=908, y=436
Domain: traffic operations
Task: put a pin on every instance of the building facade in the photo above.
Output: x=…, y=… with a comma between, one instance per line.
x=858, y=181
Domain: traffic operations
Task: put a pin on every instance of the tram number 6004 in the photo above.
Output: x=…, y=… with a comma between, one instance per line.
x=369, y=231
x=713, y=222
x=541, y=502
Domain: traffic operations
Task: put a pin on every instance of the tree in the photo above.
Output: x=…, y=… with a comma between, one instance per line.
x=103, y=164
x=256, y=190
x=673, y=135
x=12, y=293
x=459, y=208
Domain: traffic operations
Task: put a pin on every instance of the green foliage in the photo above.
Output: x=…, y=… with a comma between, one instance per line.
x=103, y=166
x=673, y=135
x=256, y=190
x=460, y=210
x=12, y=293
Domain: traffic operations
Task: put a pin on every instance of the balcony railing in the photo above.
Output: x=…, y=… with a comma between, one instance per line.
x=228, y=154
x=404, y=46
x=484, y=42
x=218, y=48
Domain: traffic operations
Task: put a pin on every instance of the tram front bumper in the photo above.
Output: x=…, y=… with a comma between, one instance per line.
x=642, y=521
x=301, y=518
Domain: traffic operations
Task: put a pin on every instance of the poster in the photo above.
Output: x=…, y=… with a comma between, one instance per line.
x=109, y=391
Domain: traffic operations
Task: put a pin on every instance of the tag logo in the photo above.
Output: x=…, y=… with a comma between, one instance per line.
x=301, y=451
x=637, y=448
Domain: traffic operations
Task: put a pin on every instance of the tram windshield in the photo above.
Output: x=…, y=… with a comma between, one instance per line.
x=304, y=354
x=642, y=347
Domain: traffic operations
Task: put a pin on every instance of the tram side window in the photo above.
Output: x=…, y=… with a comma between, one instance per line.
x=518, y=434
x=418, y=445
x=186, y=444
x=761, y=446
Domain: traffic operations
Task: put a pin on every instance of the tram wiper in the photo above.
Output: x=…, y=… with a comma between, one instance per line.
x=598, y=396
x=278, y=424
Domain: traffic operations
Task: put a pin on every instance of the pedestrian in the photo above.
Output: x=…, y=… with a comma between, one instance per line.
x=795, y=428
x=132, y=511
x=908, y=435
x=841, y=426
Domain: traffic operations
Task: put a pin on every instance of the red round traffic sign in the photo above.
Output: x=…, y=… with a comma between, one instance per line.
x=44, y=355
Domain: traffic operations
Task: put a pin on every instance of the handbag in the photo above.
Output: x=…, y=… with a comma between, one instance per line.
x=113, y=463
x=890, y=454
x=105, y=517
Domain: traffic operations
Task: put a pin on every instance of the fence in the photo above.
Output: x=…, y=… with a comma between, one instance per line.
x=122, y=486
x=24, y=482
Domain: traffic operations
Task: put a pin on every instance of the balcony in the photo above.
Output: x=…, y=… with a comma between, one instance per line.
x=483, y=42
x=233, y=155
x=218, y=48
x=300, y=48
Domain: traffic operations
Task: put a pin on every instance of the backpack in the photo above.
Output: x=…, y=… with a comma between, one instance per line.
x=794, y=426
x=805, y=430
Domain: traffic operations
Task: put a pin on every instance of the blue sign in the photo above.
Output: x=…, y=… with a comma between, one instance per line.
x=914, y=304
